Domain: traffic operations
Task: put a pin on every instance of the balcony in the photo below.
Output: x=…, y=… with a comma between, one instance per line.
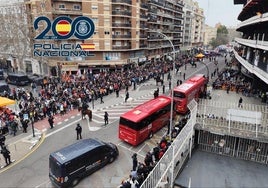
x=145, y=6
x=121, y=36
x=122, y=1
x=143, y=46
x=67, y=11
x=143, y=17
x=121, y=12
x=121, y=25
x=76, y=1
x=126, y=47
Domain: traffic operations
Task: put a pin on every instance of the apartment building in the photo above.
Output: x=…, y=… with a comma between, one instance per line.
x=209, y=34
x=252, y=50
x=126, y=31
x=194, y=20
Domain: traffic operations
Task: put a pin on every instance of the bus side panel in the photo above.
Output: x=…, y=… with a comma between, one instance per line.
x=160, y=122
x=128, y=135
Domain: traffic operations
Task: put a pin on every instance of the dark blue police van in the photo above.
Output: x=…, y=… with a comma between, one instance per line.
x=69, y=165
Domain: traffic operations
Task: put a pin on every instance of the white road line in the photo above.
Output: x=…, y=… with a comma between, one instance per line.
x=58, y=130
x=141, y=148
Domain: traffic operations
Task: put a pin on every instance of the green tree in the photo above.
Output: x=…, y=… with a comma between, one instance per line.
x=222, y=37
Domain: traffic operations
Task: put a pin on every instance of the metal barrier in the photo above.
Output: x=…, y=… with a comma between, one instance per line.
x=237, y=147
x=212, y=115
x=166, y=170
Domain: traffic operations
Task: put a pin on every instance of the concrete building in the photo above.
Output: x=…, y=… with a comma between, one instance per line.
x=209, y=34
x=193, y=33
x=126, y=32
x=253, y=45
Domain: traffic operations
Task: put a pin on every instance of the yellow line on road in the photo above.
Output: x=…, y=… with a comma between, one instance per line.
x=24, y=157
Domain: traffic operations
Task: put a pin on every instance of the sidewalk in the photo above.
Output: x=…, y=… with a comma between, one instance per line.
x=20, y=147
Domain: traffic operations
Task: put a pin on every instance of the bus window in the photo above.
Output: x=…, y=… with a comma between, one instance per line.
x=179, y=95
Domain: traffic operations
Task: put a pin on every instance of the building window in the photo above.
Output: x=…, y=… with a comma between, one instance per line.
x=106, y=7
x=106, y=32
x=77, y=7
x=95, y=20
x=61, y=6
x=94, y=7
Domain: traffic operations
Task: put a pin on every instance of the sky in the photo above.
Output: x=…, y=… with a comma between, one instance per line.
x=223, y=11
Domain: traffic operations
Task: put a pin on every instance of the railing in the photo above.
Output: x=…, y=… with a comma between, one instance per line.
x=69, y=11
x=168, y=167
x=124, y=13
x=213, y=116
x=121, y=25
x=122, y=1
x=121, y=47
x=121, y=36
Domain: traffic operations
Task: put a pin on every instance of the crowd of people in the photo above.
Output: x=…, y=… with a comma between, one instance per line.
x=58, y=96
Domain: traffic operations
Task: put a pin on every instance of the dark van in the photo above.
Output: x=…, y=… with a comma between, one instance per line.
x=17, y=79
x=4, y=89
x=69, y=165
x=2, y=74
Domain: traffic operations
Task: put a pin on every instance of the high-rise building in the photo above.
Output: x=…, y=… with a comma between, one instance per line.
x=194, y=20
x=252, y=50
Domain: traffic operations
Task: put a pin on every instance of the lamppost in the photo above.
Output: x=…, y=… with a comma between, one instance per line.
x=172, y=82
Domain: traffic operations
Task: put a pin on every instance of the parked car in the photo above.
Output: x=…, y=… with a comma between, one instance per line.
x=17, y=79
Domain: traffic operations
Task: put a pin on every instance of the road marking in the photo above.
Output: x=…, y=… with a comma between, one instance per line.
x=67, y=125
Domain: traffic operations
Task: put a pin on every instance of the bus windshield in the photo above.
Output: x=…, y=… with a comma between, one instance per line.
x=179, y=94
x=129, y=124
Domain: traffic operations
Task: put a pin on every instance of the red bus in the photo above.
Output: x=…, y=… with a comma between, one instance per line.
x=143, y=121
x=190, y=89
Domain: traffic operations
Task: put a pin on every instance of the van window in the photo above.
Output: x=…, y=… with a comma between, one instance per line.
x=55, y=167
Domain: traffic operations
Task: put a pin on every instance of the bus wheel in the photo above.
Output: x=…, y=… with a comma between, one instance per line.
x=111, y=159
x=151, y=135
x=75, y=182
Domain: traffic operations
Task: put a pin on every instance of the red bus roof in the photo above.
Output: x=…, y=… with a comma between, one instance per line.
x=142, y=111
x=190, y=83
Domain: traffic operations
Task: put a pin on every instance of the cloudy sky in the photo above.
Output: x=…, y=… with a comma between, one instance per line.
x=223, y=11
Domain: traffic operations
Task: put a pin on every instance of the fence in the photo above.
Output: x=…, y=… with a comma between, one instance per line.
x=215, y=116
x=168, y=167
x=237, y=147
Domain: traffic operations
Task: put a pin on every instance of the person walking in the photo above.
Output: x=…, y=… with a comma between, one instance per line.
x=6, y=154
x=163, y=88
x=51, y=121
x=78, y=131
x=106, y=118
x=240, y=102
x=184, y=76
x=127, y=96
x=101, y=98
x=134, y=162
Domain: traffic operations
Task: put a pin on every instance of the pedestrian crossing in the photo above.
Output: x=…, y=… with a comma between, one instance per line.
x=116, y=110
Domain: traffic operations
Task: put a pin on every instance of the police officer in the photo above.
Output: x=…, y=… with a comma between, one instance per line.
x=106, y=118
x=78, y=131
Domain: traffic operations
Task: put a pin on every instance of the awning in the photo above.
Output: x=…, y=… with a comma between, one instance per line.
x=6, y=101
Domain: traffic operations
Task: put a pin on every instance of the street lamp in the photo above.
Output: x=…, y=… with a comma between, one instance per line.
x=172, y=82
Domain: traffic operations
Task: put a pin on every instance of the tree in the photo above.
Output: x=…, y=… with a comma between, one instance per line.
x=222, y=37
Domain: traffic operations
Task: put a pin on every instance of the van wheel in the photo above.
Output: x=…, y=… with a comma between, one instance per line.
x=151, y=135
x=111, y=159
x=75, y=182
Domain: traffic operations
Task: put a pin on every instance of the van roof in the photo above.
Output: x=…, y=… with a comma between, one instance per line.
x=72, y=151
